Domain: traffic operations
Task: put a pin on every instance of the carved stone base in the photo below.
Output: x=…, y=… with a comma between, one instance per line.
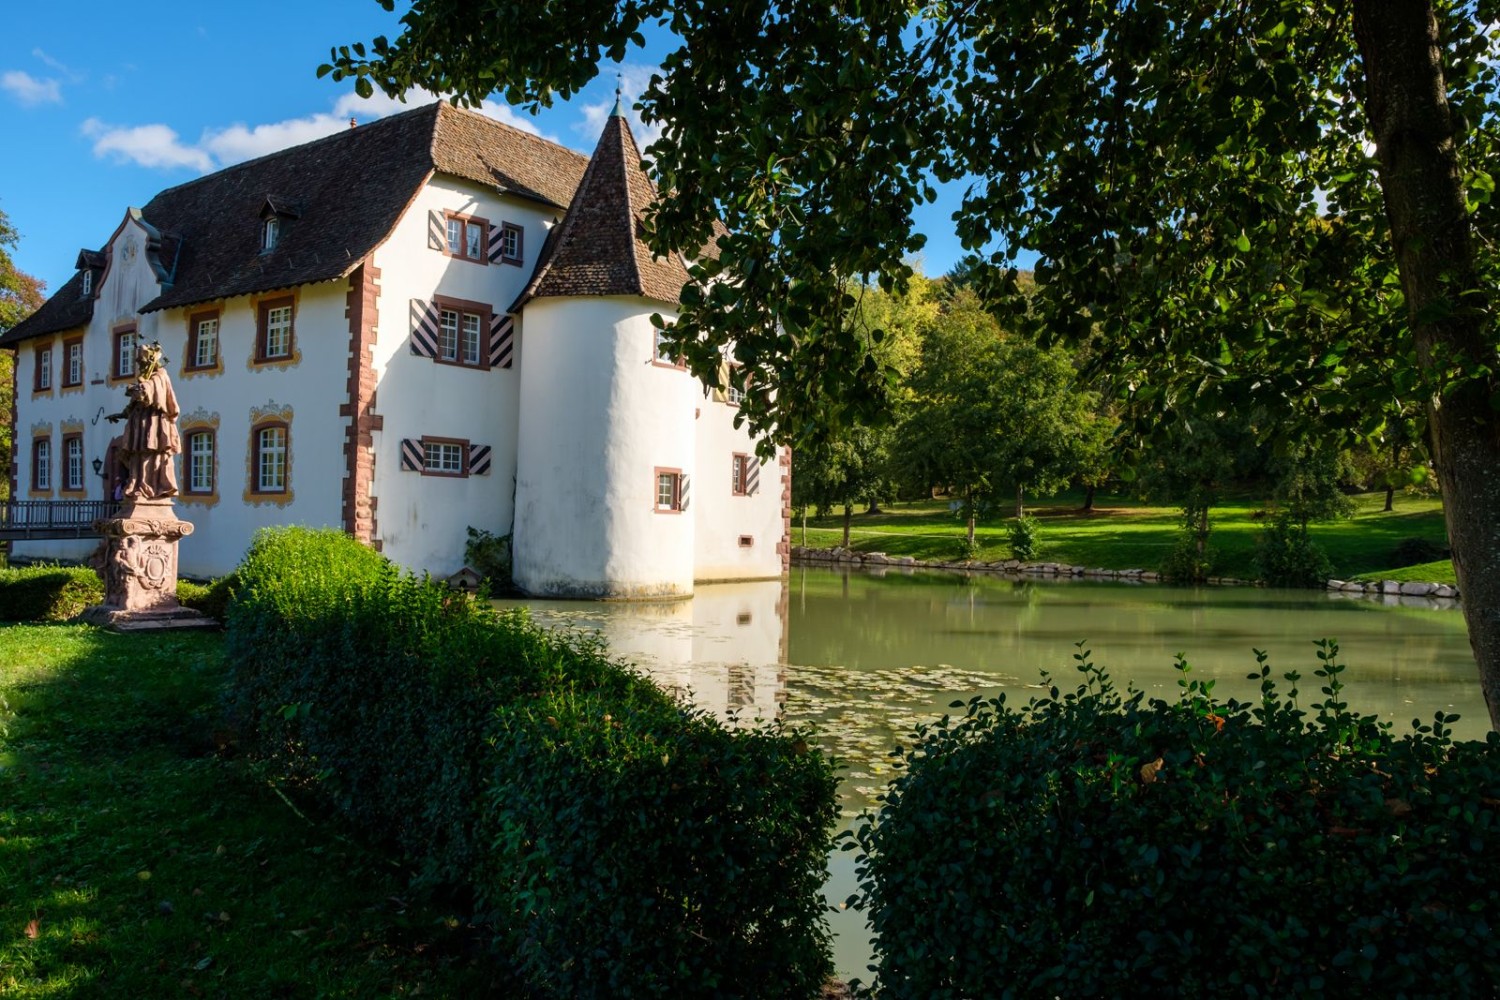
x=137, y=560
x=146, y=621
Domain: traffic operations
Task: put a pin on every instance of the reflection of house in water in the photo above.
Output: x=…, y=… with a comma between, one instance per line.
x=724, y=648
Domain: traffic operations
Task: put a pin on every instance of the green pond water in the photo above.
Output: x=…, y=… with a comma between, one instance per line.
x=865, y=658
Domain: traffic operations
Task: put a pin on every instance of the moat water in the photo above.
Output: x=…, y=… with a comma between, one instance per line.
x=866, y=658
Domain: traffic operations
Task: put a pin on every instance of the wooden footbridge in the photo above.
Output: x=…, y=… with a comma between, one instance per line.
x=22, y=520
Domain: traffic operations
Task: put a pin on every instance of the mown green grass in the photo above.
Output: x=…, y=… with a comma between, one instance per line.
x=1121, y=533
x=139, y=858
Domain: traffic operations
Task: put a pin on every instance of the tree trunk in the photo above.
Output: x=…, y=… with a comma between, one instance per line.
x=848, y=513
x=874, y=508
x=1088, y=500
x=1020, y=507
x=1407, y=106
x=1390, y=499
x=804, y=527
x=969, y=510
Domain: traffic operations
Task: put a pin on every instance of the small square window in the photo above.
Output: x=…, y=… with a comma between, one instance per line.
x=510, y=243
x=465, y=237
x=668, y=490
x=444, y=458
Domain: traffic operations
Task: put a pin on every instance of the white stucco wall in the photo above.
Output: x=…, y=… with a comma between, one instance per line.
x=422, y=520
x=598, y=418
x=308, y=391
x=723, y=517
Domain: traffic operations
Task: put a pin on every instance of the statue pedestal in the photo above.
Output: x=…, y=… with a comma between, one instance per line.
x=138, y=562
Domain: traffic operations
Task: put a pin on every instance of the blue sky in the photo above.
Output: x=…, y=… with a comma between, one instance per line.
x=104, y=104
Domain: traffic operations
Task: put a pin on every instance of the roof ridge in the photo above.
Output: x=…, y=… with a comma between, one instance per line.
x=343, y=133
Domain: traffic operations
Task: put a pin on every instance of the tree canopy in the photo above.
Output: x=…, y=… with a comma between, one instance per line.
x=20, y=296
x=1286, y=199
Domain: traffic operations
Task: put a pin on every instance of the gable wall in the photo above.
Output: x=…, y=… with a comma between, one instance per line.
x=421, y=519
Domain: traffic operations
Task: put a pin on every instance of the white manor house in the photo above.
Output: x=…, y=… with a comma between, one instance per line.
x=418, y=325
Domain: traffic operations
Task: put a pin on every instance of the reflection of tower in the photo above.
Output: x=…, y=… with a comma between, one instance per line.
x=724, y=649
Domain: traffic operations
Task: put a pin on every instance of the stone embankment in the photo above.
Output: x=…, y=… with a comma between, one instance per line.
x=1386, y=591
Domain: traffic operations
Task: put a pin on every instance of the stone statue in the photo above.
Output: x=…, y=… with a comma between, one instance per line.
x=137, y=558
x=151, y=439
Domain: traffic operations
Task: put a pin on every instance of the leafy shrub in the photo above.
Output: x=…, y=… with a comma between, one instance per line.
x=618, y=844
x=212, y=599
x=47, y=593
x=1185, y=563
x=1416, y=551
x=489, y=555
x=1094, y=844
x=1286, y=556
x=967, y=549
x=1025, y=538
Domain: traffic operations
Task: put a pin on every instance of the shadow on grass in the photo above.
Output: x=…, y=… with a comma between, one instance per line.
x=139, y=858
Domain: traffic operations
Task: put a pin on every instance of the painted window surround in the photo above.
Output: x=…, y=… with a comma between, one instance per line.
x=263, y=308
x=658, y=482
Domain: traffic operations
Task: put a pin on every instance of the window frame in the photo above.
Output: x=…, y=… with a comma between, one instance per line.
x=41, y=461
x=464, y=307
x=256, y=485
x=465, y=223
x=88, y=283
x=263, y=310
x=66, y=481
x=190, y=459
x=739, y=474
x=194, y=341
x=446, y=442
x=676, y=505
x=117, y=337
x=678, y=364
x=69, y=344
x=508, y=230
x=270, y=233
x=41, y=368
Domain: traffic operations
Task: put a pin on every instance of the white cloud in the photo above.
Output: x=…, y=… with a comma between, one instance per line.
x=159, y=145
x=634, y=77
x=30, y=91
x=145, y=145
x=59, y=66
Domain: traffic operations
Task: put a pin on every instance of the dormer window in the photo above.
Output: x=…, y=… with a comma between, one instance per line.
x=88, y=283
x=274, y=213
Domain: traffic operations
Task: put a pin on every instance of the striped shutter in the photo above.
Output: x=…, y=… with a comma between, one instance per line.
x=502, y=340
x=437, y=231
x=496, y=249
x=424, y=329
x=479, y=459
x=412, y=458
x=752, y=476
x=683, y=497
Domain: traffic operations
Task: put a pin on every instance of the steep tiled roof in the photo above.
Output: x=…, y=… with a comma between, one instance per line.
x=597, y=249
x=66, y=309
x=345, y=193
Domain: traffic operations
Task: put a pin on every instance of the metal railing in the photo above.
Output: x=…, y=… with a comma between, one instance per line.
x=22, y=519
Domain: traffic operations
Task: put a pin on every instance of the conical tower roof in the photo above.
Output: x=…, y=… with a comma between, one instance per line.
x=598, y=248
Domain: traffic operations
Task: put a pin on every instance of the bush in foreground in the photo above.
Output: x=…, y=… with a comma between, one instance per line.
x=47, y=593
x=619, y=844
x=1094, y=844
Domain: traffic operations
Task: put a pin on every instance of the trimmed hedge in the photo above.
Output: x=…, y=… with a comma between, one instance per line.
x=618, y=844
x=212, y=599
x=47, y=593
x=1095, y=844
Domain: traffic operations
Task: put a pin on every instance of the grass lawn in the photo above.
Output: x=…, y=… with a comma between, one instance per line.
x=1121, y=533
x=137, y=860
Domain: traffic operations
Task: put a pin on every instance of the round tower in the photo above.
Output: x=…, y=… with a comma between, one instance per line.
x=604, y=460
